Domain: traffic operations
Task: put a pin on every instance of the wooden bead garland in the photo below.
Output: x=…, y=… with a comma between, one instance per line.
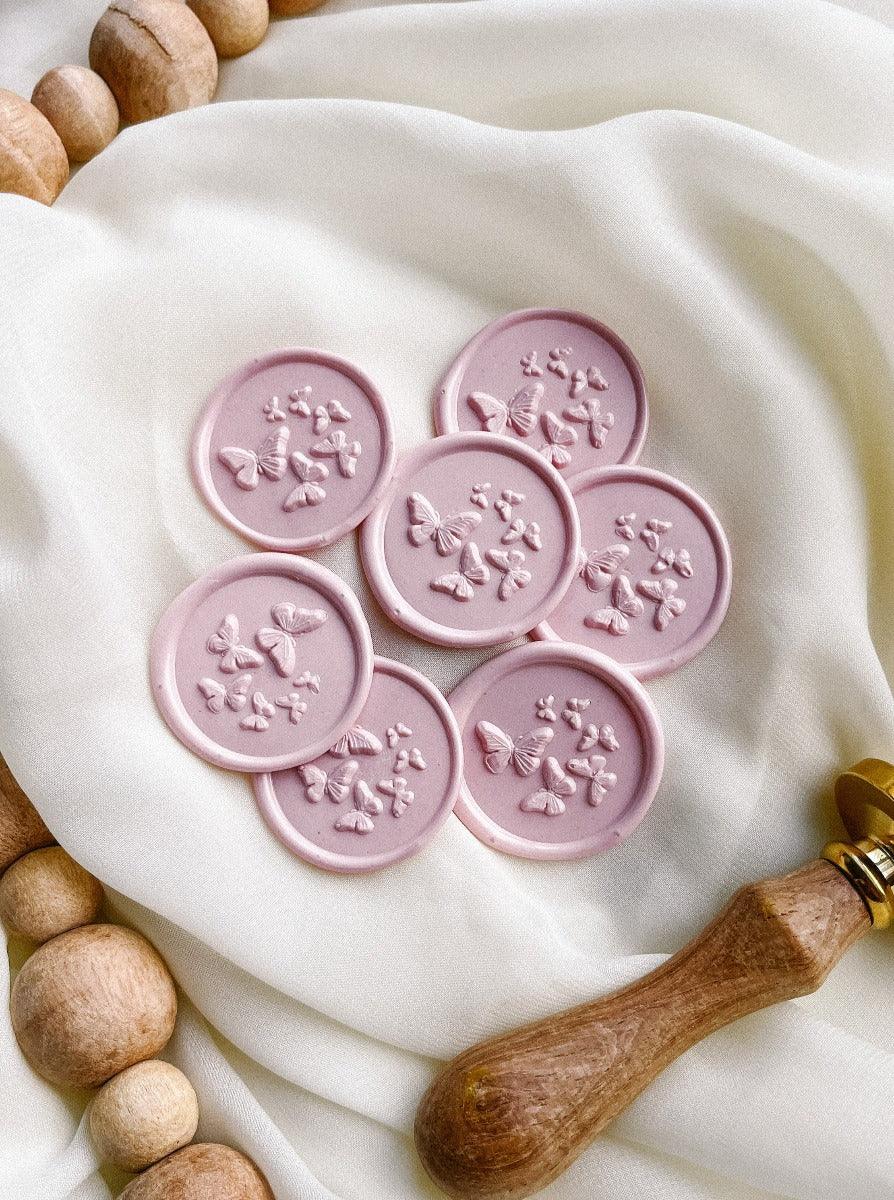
x=142, y=1115
x=234, y=26
x=80, y=107
x=46, y=893
x=202, y=1172
x=21, y=828
x=33, y=161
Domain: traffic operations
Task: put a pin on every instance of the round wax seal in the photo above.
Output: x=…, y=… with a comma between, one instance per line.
x=559, y=380
x=294, y=449
x=654, y=580
x=563, y=751
x=383, y=790
x=475, y=541
x=262, y=663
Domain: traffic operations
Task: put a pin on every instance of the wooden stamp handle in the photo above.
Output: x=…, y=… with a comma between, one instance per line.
x=509, y=1115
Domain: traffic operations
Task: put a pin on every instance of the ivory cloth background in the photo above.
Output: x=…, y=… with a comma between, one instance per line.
x=713, y=180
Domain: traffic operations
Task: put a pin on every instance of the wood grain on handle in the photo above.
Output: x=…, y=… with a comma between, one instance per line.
x=508, y=1116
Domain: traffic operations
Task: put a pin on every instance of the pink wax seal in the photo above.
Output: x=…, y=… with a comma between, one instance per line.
x=294, y=449
x=562, y=382
x=653, y=585
x=383, y=790
x=475, y=541
x=263, y=663
x=563, y=751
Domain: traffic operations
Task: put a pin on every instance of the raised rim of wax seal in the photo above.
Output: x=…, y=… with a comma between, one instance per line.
x=166, y=636
x=200, y=458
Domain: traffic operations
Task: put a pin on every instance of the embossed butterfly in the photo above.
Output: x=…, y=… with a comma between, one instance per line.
x=335, y=785
x=399, y=791
x=337, y=446
x=291, y=622
x=624, y=526
x=559, y=437
x=248, y=466
x=598, y=735
x=528, y=531
x=651, y=535
x=310, y=475
x=508, y=499
x=511, y=563
x=412, y=758
x=625, y=604
x=557, y=787
x=299, y=401
x=520, y=414
x=667, y=603
x=524, y=752
x=356, y=741
x=593, y=770
x=599, y=567
x=259, y=718
x=678, y=560
x=296, y=706
x=217, y=694
x=234, y=656
x=598, y=423
x=472, y=570
x=426, y=524
x=325, y=414
x=366, y=806
x=396, y=732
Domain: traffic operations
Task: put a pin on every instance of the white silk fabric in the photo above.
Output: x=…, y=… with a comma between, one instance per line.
x=711, y=179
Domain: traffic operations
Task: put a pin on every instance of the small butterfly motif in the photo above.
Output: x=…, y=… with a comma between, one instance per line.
x=366, y=806
x=520, y=414
x=528, y=531
x=598, y=735
x=599, y=567
x=530, y=366
x=508, y=500
x=557, y=363
x=296, y=706
x=544, y=708
x=259, y=718
x=678, y=560
x=399, y=791
x=571, y=713
x=598, y=423
x=624, y=526
x=217, y=694
x=558, y=438
x=337, y=446
x=234, y=656
x=412, y=758
x=395, y=732
x=625, y=604
x=578, y=384
x=334, y=784
x=308, y=680
x=651, y=535
x=299, y=401
x=511, y=564
x=310, y=475
x=447, y=533
x=272, y=411
x=667, y=603
x=356, y=741
x=524, y=752
x=325, y=414
x=291, y=622
x=472, y=570
x=593, y=770
x=247, y=466
x=557, y=787
x=479, y=495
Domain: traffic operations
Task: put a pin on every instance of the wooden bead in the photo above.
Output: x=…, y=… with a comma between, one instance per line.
x=145, y=1113
x=21, y=828
x=33, y=161
x=155, y=55
x=293, y=8
x=80, y=107
x=90, y=1003
x=202, y=1172
x=235, y=26
x=46, y=893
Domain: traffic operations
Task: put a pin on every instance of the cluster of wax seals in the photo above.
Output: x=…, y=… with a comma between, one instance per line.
x=525, y=516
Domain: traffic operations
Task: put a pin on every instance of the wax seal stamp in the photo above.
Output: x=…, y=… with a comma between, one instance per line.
x=563, y=751
x=263, y=663
x=294, y=449
x=382, y=790
x=653, y=583
x=560, y=381
x=475, y=541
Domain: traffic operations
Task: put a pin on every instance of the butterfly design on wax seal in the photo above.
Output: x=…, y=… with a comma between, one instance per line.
x=247, y=466
x=447, y=533
x=528, y=531
x=593, y=770
x=290, y=622
x=345, y=453
x=472, y=570
x=259, y=718
x=397, y=731
x=557, y=787
x=511, y=563
x=651, y=535
x=325, y=414
x=571, y=713
x=667, y=603
x=335, y=785
x=557, y=363
x=598, y=735
x=544, y=709
x=597, y=422
x=272, y=411
x=399, y=791
x=412, y=758
x=478, y=495
x=520, y=414
x=529, y=364
x=310, y=475
x=234, y=656
x=218, y=694
x=524, y=753
x=299, y=401
x=296, y=706
x=558, y=438
x=599, y=567
x=508, y=500
x=625, y=605
x=356, y=741
x=624, y=526
x=309, y=680
x=677, y=560
x=360, y=818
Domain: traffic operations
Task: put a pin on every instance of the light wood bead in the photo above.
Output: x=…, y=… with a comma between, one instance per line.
x=235, y=26
x=46, y=893
x=144, y=1114
x=90, y=1003
x=202, y=1172
x=33, y=161
x=80, y=107
x=155, y=55
x=293, y=8
x=21, y=827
